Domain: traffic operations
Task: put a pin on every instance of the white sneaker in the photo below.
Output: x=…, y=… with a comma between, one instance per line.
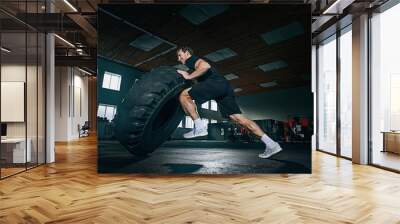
x=196, y=133
x=270, y=151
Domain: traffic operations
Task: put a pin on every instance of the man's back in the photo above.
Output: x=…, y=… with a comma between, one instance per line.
x=211, y=74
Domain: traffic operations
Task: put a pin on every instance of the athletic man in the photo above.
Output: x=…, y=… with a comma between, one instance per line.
x=212, y=86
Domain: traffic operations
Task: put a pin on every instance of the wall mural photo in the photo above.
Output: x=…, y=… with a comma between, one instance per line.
x=204, y=89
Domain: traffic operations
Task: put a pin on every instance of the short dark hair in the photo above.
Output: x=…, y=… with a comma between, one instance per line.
x=185, y=49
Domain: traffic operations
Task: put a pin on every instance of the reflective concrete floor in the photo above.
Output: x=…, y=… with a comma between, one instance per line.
x=205, y=157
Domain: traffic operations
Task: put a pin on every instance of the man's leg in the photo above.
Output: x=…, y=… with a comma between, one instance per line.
x=272, y=147
x=188, y=105
x=247, y=123
x=200, y=128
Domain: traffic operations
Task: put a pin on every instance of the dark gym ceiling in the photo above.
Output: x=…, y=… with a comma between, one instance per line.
x=80, y=29
x=78, y=25
x=238, y=28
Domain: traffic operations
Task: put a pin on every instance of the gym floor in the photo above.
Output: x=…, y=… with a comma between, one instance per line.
x=205, y=157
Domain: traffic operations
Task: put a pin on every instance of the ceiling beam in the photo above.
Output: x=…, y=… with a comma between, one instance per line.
x=76, y=16
x=82, y=61
x=86, y=26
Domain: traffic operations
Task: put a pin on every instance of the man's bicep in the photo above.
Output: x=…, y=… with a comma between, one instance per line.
x=203, y=65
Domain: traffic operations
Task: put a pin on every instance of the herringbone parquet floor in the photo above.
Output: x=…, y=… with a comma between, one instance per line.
x=71, y=191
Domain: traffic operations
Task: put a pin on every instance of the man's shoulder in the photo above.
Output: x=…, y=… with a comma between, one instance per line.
x=202, y=60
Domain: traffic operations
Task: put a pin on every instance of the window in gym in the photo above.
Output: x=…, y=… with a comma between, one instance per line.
x=106, y=111
x=214, y=105
x=111, y=81
x=205, y=105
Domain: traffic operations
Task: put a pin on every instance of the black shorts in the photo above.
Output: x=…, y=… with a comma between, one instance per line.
x=218, y=90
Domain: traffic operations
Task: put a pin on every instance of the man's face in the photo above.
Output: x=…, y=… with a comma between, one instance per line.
x=183, y=56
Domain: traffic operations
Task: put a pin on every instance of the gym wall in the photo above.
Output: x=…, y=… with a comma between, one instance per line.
x=278, y=105
x=128, y=76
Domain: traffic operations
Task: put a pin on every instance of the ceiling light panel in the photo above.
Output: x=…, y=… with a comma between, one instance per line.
x=221, y=54
x=231, y=76
x=283, y=33
x=269, y=84
x=273, y=66
x=146, y=42
x=197, y=14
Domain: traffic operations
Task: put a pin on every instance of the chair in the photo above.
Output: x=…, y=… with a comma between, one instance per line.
x=84, y=130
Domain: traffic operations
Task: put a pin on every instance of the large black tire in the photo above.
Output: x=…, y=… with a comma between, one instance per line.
x=150, y=112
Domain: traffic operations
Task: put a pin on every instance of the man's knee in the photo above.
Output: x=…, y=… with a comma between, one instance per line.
x=184, y=95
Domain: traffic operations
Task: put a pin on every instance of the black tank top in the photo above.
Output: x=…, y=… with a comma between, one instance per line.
x=211, y=74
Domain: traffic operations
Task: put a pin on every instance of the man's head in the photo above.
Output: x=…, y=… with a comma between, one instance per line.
x=183, y=53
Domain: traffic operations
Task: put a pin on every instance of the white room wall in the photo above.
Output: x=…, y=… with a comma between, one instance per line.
x=61, y=103
x=33, y=126
x=16, y=73
x=71, y=102
x=80, y=109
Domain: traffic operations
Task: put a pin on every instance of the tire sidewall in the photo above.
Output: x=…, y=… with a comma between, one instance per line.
x=154, y=138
